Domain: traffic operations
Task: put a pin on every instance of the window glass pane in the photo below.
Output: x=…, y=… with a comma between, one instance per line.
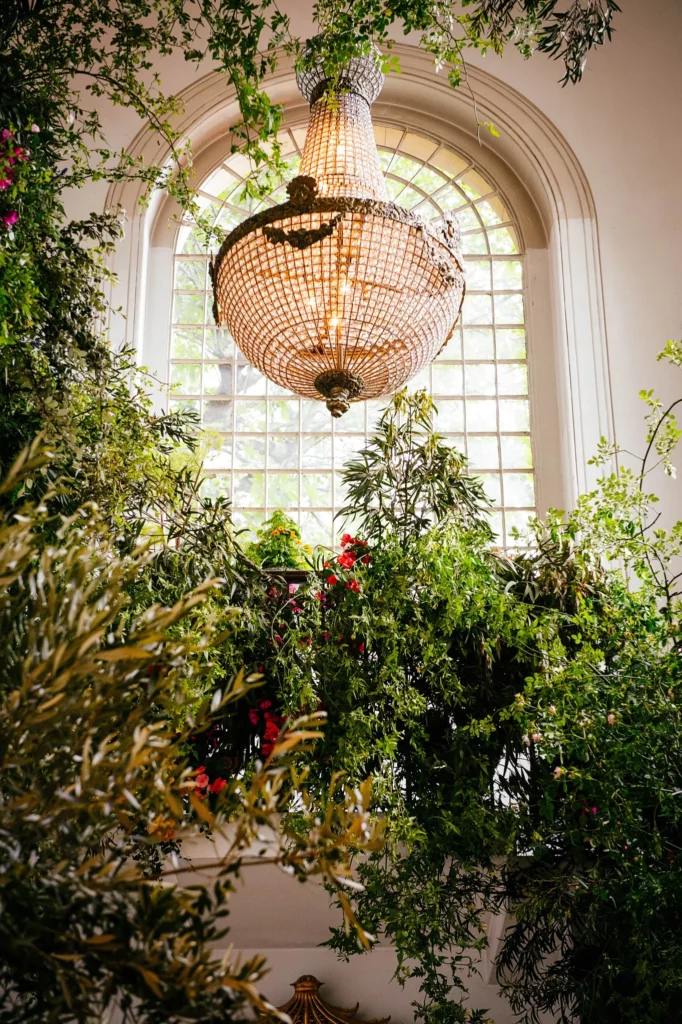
x=186, y=343
x=483, y=452
x=511, y=344
x=449, y=416
x=477, y=309
x=316, y=489
x=516, y=453
x=219, y=344
x=284, y=414
x=282, y=490
x=514, y=414
x=507, y=274
x=217, y=415
x=478, y=275
x=316, y=452
x=482, y=414
x=447, y=379
x=314, y=415
x=519, y=490
x=187, y=377
x=249, y=452
x=218, y=378
x=191, y=274
x=249, y=489
x=249, y=381
x=188, y=308
x=513, y=379
x=479, y=344
x=220, y=457
x=479, y=379
x=250, y=416
x=283, y=452
x=508, y=309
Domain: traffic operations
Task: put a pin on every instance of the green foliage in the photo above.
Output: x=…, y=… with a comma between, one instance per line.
x=520, y=717
x=279, y=544
x=446, y=29
x=406, y=480
x=95, y=792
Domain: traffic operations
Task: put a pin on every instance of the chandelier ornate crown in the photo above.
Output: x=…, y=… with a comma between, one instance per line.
x=339, y=294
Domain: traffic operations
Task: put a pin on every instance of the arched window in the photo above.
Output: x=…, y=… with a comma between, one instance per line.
x=273, y=450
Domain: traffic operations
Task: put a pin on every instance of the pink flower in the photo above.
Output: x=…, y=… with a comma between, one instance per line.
x=265, y=704
x=5, y=183
x=536, y=737
x=557, y=773
x=201, y=781
x=594, y=810
x=552, y=709
x=611, y=719
x=10, y=218
x=6, y=134
x=293, y=587
x=526, y=740
x=35, y=128
x=278, y=638
x=253, y=716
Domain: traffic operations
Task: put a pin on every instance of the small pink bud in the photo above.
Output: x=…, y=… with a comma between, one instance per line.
x=611, y=719
x=526, y=740
x=35, y=128
x=552, y=709
x=536, y=737
x=557, y=773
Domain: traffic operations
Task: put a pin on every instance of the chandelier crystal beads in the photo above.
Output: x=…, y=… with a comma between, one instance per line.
x=339, y=294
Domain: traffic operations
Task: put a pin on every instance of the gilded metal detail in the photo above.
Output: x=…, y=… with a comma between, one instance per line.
x=307, y=1007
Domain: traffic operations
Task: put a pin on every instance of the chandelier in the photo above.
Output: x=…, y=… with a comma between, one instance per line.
x=339, y=294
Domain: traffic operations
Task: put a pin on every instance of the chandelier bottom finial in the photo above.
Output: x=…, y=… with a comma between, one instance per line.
x=339, y=387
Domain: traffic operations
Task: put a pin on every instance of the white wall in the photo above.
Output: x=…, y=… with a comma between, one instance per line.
x=623, y=124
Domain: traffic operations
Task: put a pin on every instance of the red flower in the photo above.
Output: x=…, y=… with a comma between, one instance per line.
x=326, y=634
x=346, y=539
x=347, y=560
x=361, y=648
x=253, y=716
x=332, y=580
x=366, y=558
x=278, y=638
x=271, y=732
x=265, y=704
x=217, y=786
x=267, y=749
x=201, y=768
x=353, y=585
x=201, y=781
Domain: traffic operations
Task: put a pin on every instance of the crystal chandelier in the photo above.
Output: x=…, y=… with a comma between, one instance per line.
x=339, y=294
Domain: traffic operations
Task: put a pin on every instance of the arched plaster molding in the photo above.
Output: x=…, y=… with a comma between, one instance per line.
x=534, y=168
